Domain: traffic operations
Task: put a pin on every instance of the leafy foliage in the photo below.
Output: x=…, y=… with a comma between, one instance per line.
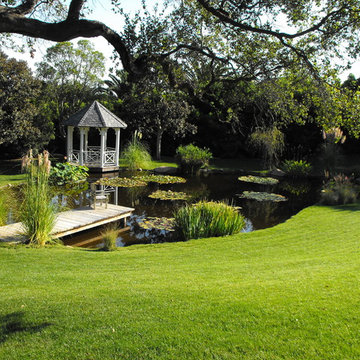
x=259, y=180
x=66, y=173
x=262, y=196
x=20, y=122
x=297, y=168
x=207, y=219
x=191, y=158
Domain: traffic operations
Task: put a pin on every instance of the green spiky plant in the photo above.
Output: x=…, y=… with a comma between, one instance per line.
x=207, y=219
x=136, y=155
x=37, y=212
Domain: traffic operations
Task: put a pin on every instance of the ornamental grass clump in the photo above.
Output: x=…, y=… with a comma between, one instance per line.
x=207, y=219
x=136, y=155
x=340, y=190
x=37, y=212
x=109, y=237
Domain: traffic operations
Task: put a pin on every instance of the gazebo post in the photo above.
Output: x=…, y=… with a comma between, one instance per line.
x=69, y=141
x=81, y=157
x=103, y=132
x=86, y=133
x=117, y=146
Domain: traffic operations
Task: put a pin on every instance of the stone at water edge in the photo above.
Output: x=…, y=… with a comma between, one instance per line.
x=165, y=170
x=277, y=172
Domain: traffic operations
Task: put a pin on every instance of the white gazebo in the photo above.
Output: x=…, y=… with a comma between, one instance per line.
x=97, y=158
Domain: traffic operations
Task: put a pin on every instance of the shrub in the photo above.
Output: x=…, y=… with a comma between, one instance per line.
x=136, y=155
x=191, y=158
x=37, y=212
x=3, y=208
x=65, y=173
x=338, y=191
x=296, y=168
x=207, y=219
x=109, y=236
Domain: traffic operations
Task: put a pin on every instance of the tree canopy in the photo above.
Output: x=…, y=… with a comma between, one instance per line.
x=247, y=35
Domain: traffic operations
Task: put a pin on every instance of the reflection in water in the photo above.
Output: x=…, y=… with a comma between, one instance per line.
x=215, y=187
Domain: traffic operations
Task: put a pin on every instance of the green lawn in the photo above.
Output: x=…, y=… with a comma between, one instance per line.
x=288, y=292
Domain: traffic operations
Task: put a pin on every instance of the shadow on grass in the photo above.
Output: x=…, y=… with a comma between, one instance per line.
x=14, y=323
x=346, y=207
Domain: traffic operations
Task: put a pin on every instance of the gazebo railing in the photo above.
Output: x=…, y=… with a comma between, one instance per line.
x=92, y=156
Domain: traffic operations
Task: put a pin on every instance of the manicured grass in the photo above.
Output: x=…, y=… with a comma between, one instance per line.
x=12, y=179
x=288, y=292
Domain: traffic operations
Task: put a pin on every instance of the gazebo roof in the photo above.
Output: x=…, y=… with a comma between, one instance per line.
x=95, y=115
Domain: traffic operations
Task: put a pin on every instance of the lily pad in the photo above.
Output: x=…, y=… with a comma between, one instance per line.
x=161, y=179
x=121, y=182
x=262, y=196
x=162, y=223
x=169, y=195
x=259, y=180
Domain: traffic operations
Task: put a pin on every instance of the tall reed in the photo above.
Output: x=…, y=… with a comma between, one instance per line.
x=136, y=155
x=37, y=212
x=207, y=219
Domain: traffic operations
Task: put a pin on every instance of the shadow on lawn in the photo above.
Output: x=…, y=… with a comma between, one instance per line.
x=14, y=323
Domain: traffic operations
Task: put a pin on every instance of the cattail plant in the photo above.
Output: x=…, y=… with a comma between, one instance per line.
x=37, y=211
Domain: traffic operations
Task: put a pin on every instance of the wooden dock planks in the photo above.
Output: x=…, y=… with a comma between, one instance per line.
x=72, y=221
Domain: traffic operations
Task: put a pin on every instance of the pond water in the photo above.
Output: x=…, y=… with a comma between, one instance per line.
x=217, y=187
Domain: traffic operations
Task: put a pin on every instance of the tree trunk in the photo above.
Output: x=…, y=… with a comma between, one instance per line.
x=158, y=144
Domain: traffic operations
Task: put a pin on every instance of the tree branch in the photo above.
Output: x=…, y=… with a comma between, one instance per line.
x=280, y=35
x=75, y=9
x=24, y=8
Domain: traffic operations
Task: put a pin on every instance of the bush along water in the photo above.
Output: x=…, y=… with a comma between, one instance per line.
x=136, y=155
x=207, y=219
x=339, y=190
x=297, y=168
x=66, y=173
x=37, y=212
x=191, y=158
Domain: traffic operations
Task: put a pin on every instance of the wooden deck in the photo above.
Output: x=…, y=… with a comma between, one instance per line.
x=72, y=221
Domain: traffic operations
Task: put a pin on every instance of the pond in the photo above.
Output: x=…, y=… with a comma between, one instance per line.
x=216, y=187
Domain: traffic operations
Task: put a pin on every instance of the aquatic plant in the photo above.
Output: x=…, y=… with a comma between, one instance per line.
x=162, y=223
x=160, y=179
x=169, y=195
x=121, y=182
x=259, y=180
x=136, y=155
x=37, y=212
x=191, y=158
x=66, y=173
x=262, y=196
x=296, y=168
x=207, y=219
x=109, y=236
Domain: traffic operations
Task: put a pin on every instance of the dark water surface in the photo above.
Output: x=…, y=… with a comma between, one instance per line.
x=217, y=187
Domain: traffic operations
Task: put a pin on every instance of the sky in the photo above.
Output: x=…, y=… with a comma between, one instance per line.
x=102, y=12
